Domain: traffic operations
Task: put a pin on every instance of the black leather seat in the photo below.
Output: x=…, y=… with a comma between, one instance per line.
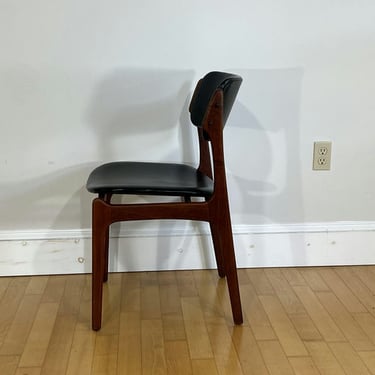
x=209, y=109
x=150, y=179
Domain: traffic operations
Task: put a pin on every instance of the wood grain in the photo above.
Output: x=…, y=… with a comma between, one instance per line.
x=297, y=321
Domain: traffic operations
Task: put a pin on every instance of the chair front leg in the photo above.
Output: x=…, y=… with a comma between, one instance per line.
x=107, y=198
x=106, y=256
x=100, y=225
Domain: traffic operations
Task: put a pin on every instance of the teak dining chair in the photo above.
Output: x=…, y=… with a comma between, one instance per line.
x=210, y=106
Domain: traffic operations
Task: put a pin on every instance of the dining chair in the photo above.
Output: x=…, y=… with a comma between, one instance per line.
x=209, y=109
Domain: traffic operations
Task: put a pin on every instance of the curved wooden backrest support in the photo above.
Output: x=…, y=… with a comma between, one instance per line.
x=209, y=108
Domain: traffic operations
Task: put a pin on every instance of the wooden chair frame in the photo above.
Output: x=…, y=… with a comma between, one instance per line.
x=214, y=210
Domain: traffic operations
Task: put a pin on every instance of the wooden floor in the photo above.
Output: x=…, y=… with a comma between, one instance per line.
x=297, y=321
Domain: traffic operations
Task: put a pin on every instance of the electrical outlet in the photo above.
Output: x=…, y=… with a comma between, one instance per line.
x=322, y=156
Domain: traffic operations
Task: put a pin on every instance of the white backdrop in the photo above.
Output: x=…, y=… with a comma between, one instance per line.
x=82, y=82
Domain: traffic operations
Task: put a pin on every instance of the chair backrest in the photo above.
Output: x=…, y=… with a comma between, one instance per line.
x=206, y=89
x=211, y=85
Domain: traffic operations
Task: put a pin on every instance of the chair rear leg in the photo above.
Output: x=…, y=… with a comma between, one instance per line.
x=215, y=233
x=231, y=268
x=99, y=229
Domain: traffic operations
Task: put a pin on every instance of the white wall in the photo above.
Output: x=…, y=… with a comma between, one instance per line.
x=89, y=81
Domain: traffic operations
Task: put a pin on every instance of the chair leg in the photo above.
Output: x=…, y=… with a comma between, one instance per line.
x=215, y=233
x=230, y=267
x=106, y=255
x=107, y=198
x=99, y=229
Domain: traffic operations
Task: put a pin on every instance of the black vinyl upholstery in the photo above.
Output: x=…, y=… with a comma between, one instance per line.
x=149, y=179
x=229, y=83
x=125, y=177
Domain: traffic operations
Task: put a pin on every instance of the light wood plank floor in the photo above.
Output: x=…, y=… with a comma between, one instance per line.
x=297, y=321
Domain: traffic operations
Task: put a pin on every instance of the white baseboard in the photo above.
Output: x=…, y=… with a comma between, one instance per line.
x=69, y=251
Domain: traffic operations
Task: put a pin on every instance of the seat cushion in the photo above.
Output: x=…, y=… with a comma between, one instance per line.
x=149, y=179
